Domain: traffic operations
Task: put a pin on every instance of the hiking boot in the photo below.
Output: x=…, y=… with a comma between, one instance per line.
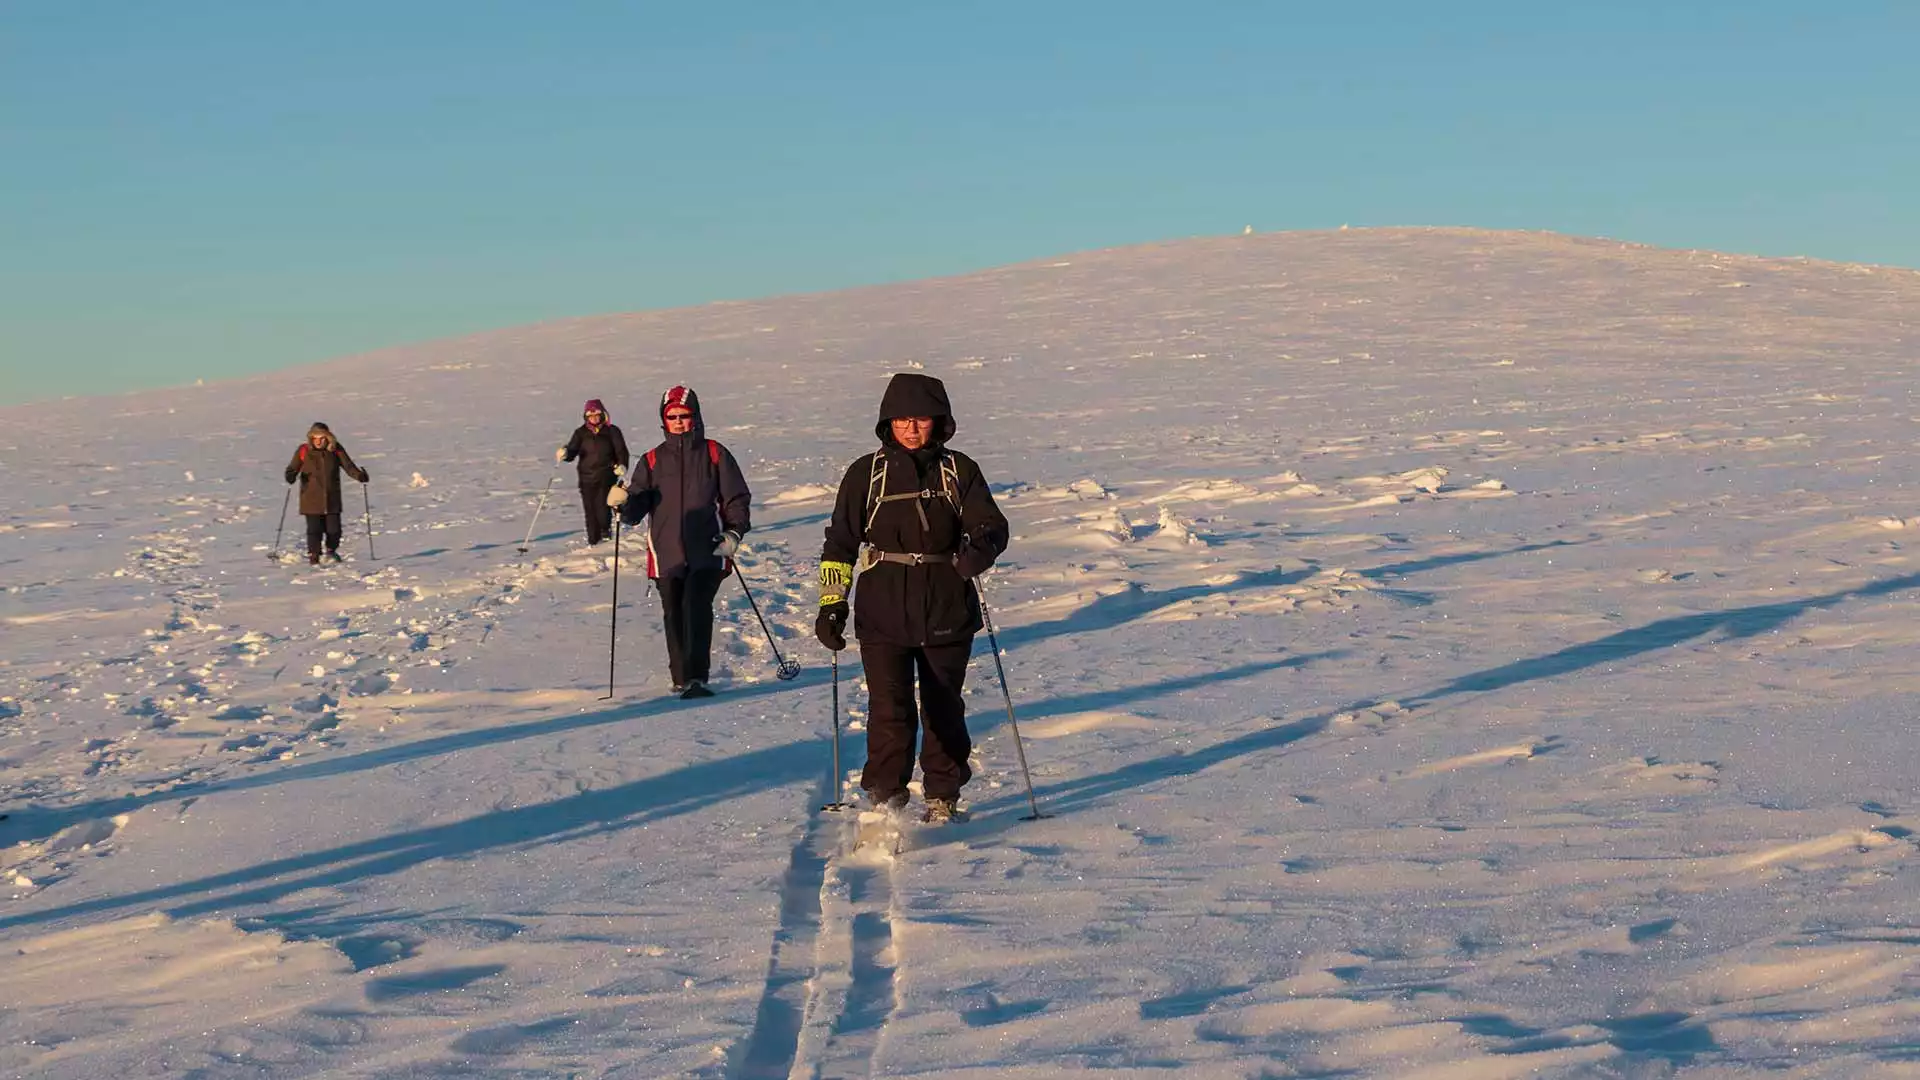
x=940, y=811
x=334, y=556
x=313, y=558
x=895, y=801
x=695, y=689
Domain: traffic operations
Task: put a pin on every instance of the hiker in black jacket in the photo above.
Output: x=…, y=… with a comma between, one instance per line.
x=921, y=523
x=602, y=453
x=695, y=499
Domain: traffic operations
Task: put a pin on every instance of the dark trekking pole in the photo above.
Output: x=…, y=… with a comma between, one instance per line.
x=787, y=669
x=524, y=544
x=838, y=786
x=368, y=499
x=613, y=617
x=1018, y=748
x=274, y=555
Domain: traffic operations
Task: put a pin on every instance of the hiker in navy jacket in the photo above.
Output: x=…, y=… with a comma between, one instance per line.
x=695, y=498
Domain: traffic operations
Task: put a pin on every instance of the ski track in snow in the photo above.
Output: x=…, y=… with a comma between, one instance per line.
x=1439, y=653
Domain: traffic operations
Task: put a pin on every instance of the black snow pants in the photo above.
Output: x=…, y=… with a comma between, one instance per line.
x=319, y=527
x=894, y=721
x=593, y=495
x=688, y=606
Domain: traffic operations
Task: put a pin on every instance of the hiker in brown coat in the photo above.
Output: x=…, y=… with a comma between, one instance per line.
x=317, y=465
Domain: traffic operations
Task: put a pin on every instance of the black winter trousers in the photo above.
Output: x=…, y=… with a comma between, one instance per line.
x=894, y=721
x=593, y=495
x=319, y=527
x=688, y=606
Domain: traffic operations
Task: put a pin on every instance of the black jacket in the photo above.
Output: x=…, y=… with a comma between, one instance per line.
x=689, y=499
x=930, y=603
x=597, y=453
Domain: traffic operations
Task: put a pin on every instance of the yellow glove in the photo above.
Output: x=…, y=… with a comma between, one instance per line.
x=836, y=578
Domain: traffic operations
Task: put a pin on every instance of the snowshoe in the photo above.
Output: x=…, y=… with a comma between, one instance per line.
x=883, y=827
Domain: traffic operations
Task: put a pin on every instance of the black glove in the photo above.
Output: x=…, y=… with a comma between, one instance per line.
x=363, y=476
x=972, y=559
x=831, y=626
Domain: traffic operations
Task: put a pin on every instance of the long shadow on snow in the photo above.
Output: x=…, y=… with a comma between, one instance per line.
x=1436, y=562
x=32, y=822
x=795, y=522
x=1102, y=614
x=683, y=790
x=984, y=719
x=1112, y=610
x=1123, y=607
x=1664, y=633
x=487, y=545
x=1736, y=623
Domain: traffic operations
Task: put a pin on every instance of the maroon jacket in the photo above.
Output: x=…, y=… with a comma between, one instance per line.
x=319, y=471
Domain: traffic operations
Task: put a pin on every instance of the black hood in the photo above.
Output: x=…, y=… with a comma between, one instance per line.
x=909, y=394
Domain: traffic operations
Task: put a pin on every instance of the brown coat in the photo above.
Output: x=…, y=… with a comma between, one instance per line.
x=319, y=474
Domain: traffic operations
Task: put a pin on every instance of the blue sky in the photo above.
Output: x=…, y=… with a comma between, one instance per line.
x=200, y=190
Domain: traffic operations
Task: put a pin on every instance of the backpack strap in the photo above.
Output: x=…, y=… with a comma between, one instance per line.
x=713, y=455
x=950, y=481
x=877, y=486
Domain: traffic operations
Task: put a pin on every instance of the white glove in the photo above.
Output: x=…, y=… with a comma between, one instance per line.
x=560, y=454
x=617, y=496
x=729, y=543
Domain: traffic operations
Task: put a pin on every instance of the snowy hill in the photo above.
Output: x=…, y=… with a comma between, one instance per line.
x=1442, y=653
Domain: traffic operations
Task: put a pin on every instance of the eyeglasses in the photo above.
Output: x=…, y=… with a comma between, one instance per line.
x=596, y=412
x=679, y=418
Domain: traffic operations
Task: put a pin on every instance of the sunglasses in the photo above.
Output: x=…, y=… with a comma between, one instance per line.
x=679, y=418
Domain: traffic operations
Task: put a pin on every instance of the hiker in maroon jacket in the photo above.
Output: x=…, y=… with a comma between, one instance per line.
x=602, y=453
x=318, y=465
x=695, y=499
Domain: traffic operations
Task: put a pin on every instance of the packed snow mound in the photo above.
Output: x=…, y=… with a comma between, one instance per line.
x=803, y=493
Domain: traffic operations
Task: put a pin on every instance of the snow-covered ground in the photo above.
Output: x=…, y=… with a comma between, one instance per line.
x=1440, y=654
